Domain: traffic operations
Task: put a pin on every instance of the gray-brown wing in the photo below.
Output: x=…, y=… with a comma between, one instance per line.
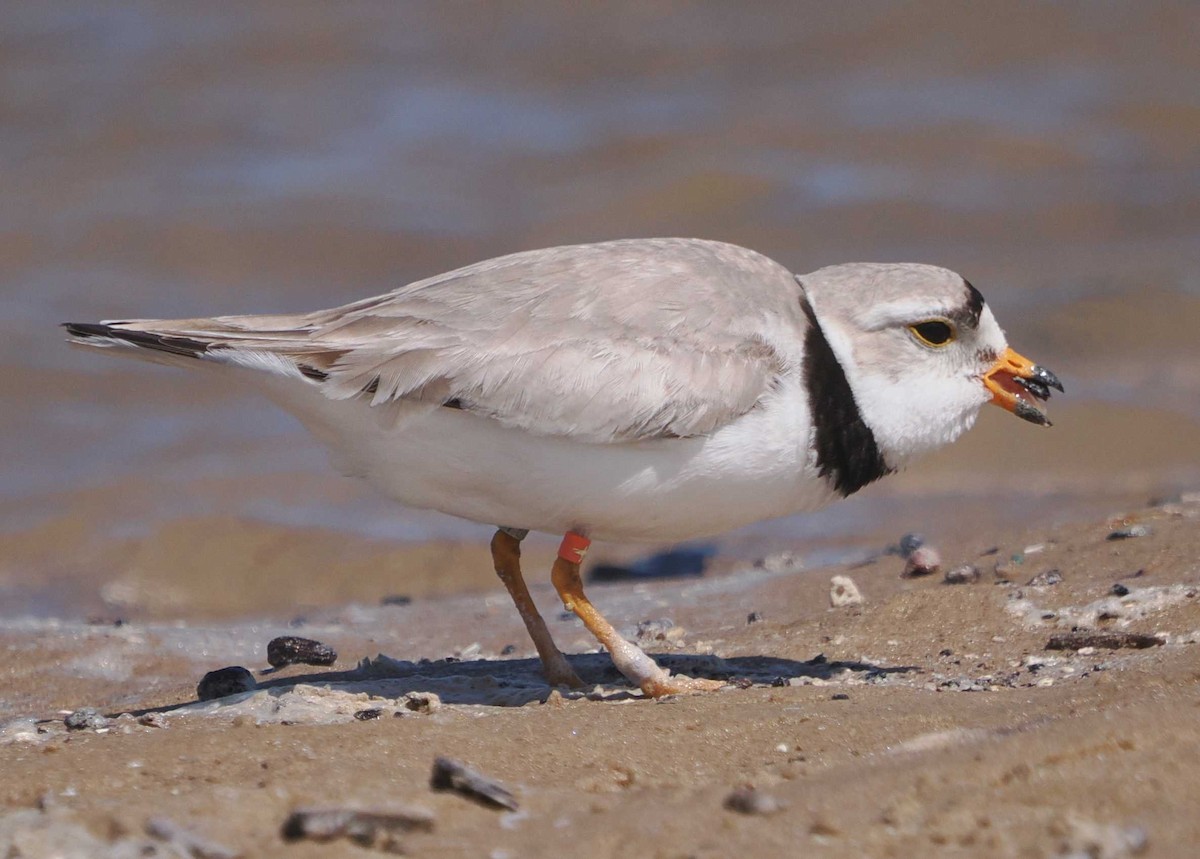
x=617, y=341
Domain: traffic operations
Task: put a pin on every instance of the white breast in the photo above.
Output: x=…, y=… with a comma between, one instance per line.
x=757, y=467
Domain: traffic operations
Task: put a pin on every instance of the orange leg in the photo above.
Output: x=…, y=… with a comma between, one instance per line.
x=506, y=555
x=629, y=659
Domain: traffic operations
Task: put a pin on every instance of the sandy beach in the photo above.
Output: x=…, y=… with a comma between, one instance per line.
x=931, y=717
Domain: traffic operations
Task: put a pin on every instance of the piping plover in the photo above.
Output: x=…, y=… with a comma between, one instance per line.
x=652, y=389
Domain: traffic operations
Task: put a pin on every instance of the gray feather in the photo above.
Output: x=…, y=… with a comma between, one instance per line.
x=618, y=341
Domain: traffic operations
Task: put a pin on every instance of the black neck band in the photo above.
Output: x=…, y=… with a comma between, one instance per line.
x=847, y=455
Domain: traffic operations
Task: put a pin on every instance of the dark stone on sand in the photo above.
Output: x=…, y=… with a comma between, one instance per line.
x=369, y=714
x=225, y=681
x=754, y=617
x=422, y=702
x=749, y=800
x=1130, y=532
x=293, y=650
x=1109, y=640
x=508, y=650
x=1119, y=590
x=396, y=599
x=85, y=718
x=908, y=544
x=452, y=775
x=839, y=696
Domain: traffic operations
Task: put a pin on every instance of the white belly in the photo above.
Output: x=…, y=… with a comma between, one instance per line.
x=663, y=490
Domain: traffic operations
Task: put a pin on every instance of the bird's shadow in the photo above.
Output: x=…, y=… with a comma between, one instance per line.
x=515, y=682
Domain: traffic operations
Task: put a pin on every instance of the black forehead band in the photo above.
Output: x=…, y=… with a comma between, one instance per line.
x=968, y=316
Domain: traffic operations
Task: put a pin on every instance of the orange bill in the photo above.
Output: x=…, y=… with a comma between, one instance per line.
x=1019, y=385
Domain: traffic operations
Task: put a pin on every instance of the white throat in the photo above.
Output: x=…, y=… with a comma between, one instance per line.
x=905, y=426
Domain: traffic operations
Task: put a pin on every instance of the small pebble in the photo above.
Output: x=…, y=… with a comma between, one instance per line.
x=909, y=543
x=754, y=617
x=396, y=599
x=422, y=702
x=85, y=718
x=839, y=696
x=843, y=592
x=555, y=699
x=924, y=561
x=748, y=800
x=654, y=630
x=1045, y=579
x=186, y=842
x=225, y=681
x=508, y=650
x=1109, y=640
x=1130, y=532
x=368, y=714
x=965, y=574
x=152, y=720
x=449, y=774
x=1119, y=590
x=292, y=650
x=380, y=829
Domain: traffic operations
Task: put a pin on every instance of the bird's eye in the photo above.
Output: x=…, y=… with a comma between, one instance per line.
x=935, y=332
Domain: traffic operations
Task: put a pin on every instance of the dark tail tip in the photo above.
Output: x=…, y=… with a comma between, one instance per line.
x=174, y=345
x=87, y=329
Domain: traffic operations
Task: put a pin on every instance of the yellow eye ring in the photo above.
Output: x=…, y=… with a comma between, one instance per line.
x=934, y=332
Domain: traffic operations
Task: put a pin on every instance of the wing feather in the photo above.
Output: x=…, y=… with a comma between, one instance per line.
x=618, y=341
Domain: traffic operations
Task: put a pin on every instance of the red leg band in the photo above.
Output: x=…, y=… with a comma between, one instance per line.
x=573, y=547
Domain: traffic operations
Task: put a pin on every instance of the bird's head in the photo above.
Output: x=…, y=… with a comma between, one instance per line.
x=921, y=352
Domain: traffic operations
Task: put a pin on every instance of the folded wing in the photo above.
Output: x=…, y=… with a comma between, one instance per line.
x=618, y=341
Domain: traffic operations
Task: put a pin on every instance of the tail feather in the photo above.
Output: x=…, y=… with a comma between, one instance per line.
x=233, y=341
x=93, y=333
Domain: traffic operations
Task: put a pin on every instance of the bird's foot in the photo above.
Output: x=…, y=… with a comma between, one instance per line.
x=678, y=684
x=558, y=672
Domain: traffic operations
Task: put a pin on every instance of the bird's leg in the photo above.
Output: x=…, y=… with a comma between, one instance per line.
x=629, y=659
x=506, y=555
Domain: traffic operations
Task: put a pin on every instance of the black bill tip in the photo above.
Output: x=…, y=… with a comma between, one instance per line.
x=1047, y=379
x=1028, y=412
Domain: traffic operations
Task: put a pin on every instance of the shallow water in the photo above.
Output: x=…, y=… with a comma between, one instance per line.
x=165, y=160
